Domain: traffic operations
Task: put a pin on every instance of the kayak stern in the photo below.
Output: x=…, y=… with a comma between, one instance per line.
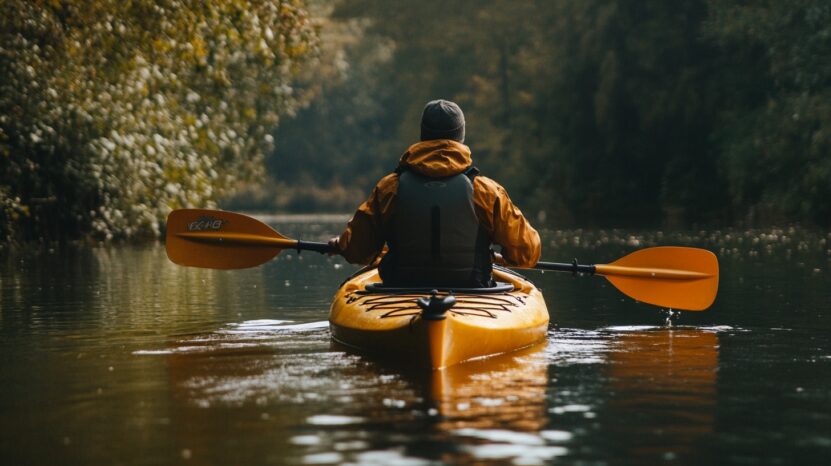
x=391, y=325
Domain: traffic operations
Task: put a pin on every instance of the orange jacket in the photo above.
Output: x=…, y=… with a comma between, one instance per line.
x=364, y=238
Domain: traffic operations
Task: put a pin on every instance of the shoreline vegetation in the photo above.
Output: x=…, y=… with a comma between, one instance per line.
x=282, y=198
x=592, y=113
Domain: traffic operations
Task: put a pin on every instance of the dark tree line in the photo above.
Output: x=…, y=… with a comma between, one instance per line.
x=626, y=112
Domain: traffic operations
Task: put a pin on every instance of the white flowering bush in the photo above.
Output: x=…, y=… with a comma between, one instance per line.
x=113, y=113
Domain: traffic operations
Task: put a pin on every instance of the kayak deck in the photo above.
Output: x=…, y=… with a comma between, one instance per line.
x=479, y=325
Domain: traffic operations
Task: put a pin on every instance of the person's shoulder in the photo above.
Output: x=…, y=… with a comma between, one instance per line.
x=388, y=183
x=487, y=185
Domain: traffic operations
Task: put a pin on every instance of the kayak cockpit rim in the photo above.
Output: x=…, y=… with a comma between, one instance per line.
x=373, y=288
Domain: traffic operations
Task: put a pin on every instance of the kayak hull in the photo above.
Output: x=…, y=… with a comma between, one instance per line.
x=480, y=325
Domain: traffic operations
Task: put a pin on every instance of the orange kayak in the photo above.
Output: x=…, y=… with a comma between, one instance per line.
x=477, y=323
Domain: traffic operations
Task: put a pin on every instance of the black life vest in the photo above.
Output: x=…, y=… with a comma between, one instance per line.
x=435, y=238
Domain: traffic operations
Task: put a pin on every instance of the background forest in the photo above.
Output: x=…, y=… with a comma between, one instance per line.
x=591, y=112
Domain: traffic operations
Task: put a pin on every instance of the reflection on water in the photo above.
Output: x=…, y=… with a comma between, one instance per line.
x=498, y=409
x=668, y=377
x=113, y=355
x=495, y=409
x=505, y=392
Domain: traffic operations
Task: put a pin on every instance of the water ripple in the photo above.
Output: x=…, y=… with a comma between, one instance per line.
x=261, y=333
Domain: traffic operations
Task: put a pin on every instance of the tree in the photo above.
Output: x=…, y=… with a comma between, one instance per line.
x=112, y=113
x=776, y=128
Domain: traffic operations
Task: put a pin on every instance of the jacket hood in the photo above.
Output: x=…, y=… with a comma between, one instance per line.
x=437, y=158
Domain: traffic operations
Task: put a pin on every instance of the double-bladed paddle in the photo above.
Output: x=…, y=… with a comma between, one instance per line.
x=667, y=276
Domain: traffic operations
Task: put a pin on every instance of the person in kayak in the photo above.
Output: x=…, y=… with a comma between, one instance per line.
x=437, y=215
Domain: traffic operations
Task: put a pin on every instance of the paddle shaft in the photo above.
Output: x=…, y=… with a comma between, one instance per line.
x=573, y=267
x=244, y=239
x=322, y=248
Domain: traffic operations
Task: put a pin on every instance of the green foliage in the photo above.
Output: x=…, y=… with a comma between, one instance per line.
x=776, y=140
x=112, y=113
x=339, y=139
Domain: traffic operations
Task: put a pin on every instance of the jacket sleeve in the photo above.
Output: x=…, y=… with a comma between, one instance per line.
x=363, y=238
x=520, y=242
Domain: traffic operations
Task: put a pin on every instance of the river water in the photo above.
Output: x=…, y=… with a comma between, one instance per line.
x=113, y=355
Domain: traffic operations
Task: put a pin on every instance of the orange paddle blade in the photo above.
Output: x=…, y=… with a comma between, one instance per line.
x=666, y=276
x=217, y=239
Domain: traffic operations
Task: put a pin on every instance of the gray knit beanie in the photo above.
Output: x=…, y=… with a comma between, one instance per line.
x=442, y=119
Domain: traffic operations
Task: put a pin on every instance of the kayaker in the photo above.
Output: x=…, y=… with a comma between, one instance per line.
x=437, y=215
